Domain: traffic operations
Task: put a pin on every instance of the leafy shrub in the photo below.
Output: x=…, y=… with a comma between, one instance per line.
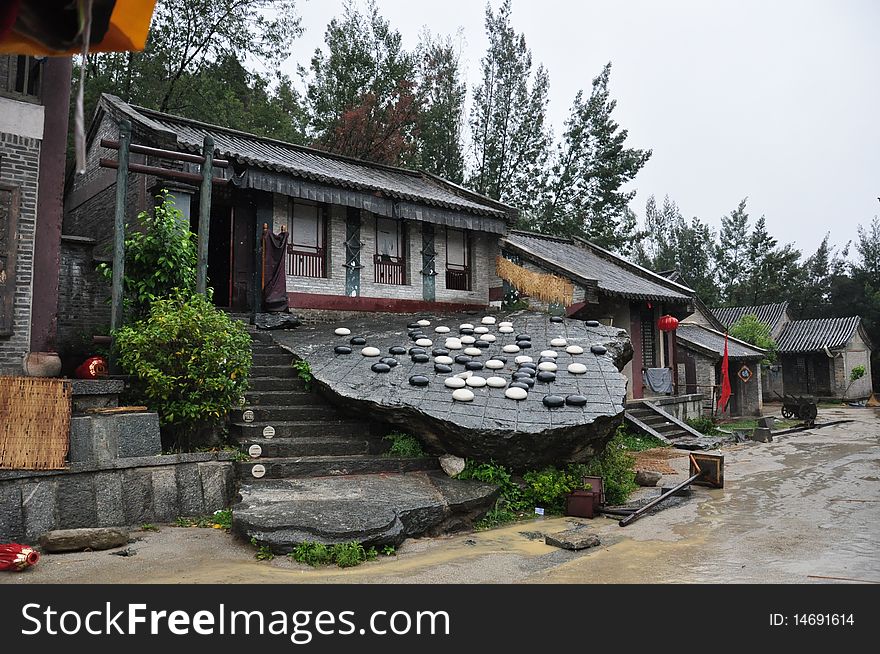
x=160, y=256
x=703, y=424
x=857, y=373
x=615, y=466
x=547, y=488
x=263, y=553
x=640, y=442
x=751, y=330
x=304, y=372
x=190, y=362
x=404, y=445
x=345, y=555
x=313, y=554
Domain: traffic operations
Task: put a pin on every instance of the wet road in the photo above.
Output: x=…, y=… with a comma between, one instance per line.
x=803, y=509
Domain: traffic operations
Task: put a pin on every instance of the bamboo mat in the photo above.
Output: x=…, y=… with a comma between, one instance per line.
x=34, y=423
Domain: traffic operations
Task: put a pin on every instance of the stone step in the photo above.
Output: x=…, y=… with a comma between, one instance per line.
x=284, y=398
x=301, y=428
x=308, y=446
x=332, y=466
x=668, y=428
x=258, y=336
x=259, y=384
x=272, y=358
x=273, y=371
x=268, y=414
x=374, y=510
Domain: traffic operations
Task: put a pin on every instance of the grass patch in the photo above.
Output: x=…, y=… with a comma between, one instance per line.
x=405, y=446
x=640, y=442
x=345, y=555
x=149, y=527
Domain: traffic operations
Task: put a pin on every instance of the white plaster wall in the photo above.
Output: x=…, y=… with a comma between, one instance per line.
x=21, y=118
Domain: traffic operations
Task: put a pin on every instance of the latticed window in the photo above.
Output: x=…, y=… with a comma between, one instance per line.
x=389, y=262
x=307, y=251
x=458, y=257
x=20, y=76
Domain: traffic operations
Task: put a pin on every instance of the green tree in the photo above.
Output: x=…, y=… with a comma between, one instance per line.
x=694, y=245
x=160, y=258
x=751, y=330
x=509, y=134
x=865, y=272
x=441, y=94
x=770, y=273
x=193, y=65
x=361, y=89
x=814, y=297
x=585, y=195
x=731, y=252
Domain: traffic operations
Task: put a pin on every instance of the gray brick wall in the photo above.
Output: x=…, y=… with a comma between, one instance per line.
x=19, y=166
x=484, y=249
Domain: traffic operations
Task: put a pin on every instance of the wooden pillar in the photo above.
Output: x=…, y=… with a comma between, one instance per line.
x=205, y=214
x=117, y=292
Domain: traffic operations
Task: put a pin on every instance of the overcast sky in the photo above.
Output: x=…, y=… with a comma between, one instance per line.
x=778, y=101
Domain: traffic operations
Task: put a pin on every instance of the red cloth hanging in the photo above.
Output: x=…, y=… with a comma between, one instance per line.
x=725, y=379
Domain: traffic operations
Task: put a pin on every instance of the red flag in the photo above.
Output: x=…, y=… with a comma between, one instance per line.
x=725, y=379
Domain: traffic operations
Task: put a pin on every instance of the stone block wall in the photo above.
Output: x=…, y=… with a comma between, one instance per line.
x=19, y=166
x=130, y=492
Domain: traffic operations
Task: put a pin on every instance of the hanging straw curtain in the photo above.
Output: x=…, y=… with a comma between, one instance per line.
x=543, y=287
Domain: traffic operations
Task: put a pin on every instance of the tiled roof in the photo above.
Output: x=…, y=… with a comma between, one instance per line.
x=316, y=165
x=713, y=341
x=815, y=335
x=586, y=262
x=769, y=314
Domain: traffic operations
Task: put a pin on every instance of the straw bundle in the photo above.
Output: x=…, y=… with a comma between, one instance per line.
x=34, y=423
x=543, y=287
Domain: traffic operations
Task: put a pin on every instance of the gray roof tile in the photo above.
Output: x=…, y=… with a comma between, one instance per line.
x=587, y=262
x=815, y=335
x=315, y=165
x=769, y=314
x=709, y=339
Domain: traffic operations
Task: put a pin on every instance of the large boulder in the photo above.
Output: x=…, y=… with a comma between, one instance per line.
x=90, y=538
x=522, y=434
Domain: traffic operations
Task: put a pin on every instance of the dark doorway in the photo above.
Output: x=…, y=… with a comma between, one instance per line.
x=219, y=249
x=690, y=371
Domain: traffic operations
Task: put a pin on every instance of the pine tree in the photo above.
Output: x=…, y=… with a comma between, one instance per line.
x=731, y=253
x=584, y=196
x=441, y=94
x=508, y=116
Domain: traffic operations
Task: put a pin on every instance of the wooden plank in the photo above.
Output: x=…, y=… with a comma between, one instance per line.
x=646, y=428
x=165, y=173
x=671, y=418
x=117, y=291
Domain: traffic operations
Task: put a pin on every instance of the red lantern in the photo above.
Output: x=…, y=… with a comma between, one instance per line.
x=92, y=368
x=667, y=323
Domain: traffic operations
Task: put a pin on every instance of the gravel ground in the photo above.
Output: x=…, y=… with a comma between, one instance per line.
x=802, y=509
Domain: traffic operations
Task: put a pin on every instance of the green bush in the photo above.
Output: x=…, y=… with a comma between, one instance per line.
x=160, y=256
x=304, y=372
x=615, y=466
x=404, y=446
x=751, y=330
x=313, y=554
x=190, y=363
x=547, y=488
x=345, y=555
x=703, y=424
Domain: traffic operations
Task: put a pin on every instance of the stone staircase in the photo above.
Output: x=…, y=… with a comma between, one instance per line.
x=298, y=432
x=648, y=418
x=320, y=475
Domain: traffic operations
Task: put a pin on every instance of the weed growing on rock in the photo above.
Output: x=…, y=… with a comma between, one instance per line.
x=404, y=446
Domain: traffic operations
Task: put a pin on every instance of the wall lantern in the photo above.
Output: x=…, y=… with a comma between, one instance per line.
x=667, y=323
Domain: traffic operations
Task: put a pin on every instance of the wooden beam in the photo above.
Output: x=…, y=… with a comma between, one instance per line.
x=165, y=173
x=163, y=154
x=205, y=215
